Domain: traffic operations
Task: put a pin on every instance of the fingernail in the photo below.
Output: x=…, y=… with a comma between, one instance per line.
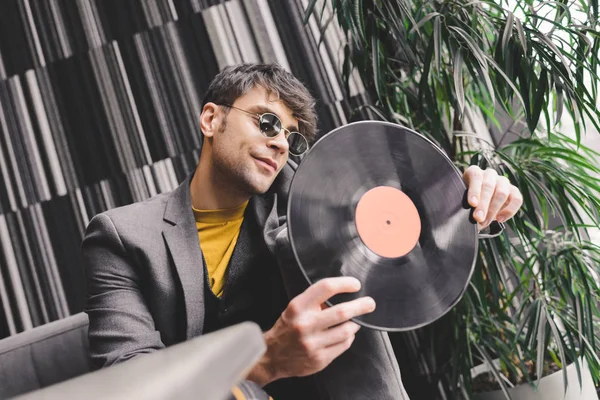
x=479, y=215
x=474, y=201
x=500, y=219
x=371, y=304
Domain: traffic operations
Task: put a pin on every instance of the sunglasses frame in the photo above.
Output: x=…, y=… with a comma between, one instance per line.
x=282, y=128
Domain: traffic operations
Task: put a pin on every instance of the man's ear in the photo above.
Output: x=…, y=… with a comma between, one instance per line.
x=210, y=119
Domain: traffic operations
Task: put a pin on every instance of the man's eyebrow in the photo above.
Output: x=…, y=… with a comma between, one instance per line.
x=261, y=109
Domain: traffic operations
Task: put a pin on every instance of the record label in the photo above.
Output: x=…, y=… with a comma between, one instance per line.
x=388, y=222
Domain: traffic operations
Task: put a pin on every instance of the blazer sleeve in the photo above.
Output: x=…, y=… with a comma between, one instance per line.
x=121, y=326
x=368, y=370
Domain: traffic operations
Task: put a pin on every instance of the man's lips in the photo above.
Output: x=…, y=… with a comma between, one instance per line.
x=269, y=162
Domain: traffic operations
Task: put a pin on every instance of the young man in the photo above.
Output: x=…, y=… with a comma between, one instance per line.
x=214, y=252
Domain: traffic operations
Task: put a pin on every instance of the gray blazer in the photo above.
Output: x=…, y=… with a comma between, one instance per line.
x=146, y=288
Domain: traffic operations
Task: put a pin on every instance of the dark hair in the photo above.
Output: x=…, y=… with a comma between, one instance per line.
x=235, y=81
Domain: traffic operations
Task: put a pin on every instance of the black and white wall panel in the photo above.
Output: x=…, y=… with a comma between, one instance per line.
x=99, y=107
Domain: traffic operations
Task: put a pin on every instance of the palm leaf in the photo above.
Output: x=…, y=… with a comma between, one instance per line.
x=425, y=63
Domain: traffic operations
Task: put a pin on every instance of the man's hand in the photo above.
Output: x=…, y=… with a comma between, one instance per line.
x=493, y=196
x=309, y=336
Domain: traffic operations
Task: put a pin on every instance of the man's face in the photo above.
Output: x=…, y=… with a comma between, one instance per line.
x=241, y=155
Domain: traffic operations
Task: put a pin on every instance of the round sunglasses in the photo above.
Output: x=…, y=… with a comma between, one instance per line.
x=271, y=126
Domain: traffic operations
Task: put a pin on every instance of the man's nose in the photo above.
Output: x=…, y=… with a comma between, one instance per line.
x=279, y=142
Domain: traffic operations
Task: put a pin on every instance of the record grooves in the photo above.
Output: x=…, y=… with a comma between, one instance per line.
x=383, y=204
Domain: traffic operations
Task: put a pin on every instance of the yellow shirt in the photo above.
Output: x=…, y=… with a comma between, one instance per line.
x=218, y=231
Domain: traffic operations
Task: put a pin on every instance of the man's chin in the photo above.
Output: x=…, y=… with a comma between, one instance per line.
x=261, y=187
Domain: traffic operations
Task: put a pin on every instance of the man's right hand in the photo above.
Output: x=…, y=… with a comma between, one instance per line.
x=309, y=335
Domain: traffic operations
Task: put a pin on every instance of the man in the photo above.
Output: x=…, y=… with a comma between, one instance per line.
x=214, y=252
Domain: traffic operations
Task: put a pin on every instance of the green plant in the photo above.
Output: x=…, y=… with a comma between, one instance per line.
x=426, y=64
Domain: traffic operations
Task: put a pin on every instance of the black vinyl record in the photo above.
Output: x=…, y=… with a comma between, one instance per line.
x=381, y=203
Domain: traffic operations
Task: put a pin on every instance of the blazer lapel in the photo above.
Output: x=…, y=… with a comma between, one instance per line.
x=270, y=209
x=181, y=237
x=271, y=215
x=248, y=250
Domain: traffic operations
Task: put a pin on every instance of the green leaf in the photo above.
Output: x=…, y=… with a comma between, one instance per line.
x=376, y=65
x=458, y=81
x=360, y=17
x=560, y=101
x=323, y=28
x=541, y=36
x=309, y=10
x=414, y=77
x=506, y=78
x=476, y=51
x=558, y=339
x=576, y=119
x=437, y=42
x=424, y=82
x=507, y=32
x=423, y=21
x=541, y=342
x=492, y=368
x=521, y=34
x=484, y=73
x=539, y=100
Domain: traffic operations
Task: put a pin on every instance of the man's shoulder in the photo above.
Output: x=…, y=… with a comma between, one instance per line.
x=141, y=214
x=138, y=227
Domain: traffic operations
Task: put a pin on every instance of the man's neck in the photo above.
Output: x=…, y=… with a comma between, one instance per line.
x=208, y=191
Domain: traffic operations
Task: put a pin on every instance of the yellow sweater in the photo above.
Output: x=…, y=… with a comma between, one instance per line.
x=218, y=231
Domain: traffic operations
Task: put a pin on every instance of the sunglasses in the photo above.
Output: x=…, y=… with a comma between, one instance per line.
x=271, y=126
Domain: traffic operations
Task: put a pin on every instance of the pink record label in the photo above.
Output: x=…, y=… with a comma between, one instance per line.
x=388, y=222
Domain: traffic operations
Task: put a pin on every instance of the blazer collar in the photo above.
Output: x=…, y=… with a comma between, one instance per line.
x=179, y=204
x=182, y=241
x=181, y=237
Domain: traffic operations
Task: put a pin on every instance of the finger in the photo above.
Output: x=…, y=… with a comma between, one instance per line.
x=473, y=177
x=499, y=198
x=512, y=205
x=344, y=311
x=337, y=334
x=326, y=355
x=334, y=351
x=488, y=186
x=321, y=291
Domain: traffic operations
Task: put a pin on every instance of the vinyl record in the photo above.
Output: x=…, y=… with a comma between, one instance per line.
x=381, y=203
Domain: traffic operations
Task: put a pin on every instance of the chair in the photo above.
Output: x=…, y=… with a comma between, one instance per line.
x=57, y=355
x=44, y=355
x=206, y=367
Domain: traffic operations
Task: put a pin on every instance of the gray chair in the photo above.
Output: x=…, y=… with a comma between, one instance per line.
x=57, y=355
x=44, y=355
x=206, y=367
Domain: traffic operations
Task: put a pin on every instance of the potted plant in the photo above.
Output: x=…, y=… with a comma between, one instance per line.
x=450, y=69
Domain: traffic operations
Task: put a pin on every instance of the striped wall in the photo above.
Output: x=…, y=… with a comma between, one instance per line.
x=99, y=102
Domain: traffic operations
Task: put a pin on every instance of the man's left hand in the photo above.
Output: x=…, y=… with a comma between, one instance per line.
x=492, y=196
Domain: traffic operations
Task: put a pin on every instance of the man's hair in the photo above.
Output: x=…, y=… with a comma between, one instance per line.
x=235, y=81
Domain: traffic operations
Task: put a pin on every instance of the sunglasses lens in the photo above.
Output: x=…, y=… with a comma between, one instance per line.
x=270, y=125
x=298, y=143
